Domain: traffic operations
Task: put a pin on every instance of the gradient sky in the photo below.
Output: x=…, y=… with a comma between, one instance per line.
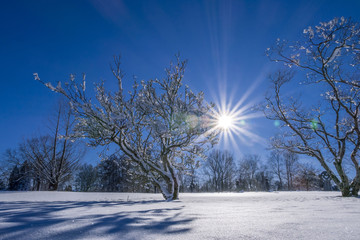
x=224, y=42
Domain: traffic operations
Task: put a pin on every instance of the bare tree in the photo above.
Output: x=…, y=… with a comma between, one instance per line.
x=291, y=166
x=307, y=178
x=329, y=58
x=220, y=169
x=9, y=159
x=190, y=181
x=248, y=167
x=263, y=178
x=53, y=158
x=156, y=124
x=276, y=164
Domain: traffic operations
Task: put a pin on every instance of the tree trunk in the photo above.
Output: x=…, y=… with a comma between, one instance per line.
x=349, y=190
x=53, y=186
x=345, y=191
x=176, y=189
x=37, y=183
x=355, y=190
x=356, y=183
x=280, y=183
x=174, y=186
x=170, y=190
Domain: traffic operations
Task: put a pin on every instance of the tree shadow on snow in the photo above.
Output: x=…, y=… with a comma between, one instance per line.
x=73, y=220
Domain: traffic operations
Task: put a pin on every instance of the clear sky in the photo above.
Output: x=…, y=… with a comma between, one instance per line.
x=224, y=42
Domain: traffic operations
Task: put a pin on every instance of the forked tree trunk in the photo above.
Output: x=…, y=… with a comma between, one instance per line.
x=349, y=190
x=170, y=190
x=165, y=177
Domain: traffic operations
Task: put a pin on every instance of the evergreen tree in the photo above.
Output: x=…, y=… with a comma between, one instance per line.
x=2, y=185
x=14, y=179
x=109, y=172
x=86, y=178
x=24, y=177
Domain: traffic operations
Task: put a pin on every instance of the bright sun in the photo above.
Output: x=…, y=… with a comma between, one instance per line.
x=225, y=122
x=232, y=120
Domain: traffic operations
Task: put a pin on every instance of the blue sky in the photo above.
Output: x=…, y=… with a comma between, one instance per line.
x=224, y=42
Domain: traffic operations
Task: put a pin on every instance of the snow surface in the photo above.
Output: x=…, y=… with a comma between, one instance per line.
x=276, y=215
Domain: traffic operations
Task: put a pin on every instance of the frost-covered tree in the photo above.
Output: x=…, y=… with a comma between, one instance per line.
x=328, y=57
x=156, y=124
x=190, y=181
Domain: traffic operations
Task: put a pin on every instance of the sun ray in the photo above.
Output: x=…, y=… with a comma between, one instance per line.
x=232, y=119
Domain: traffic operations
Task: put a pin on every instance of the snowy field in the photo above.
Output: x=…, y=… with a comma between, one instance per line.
x=284, y=215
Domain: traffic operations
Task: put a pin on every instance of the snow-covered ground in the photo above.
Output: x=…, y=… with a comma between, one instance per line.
x=284, y=215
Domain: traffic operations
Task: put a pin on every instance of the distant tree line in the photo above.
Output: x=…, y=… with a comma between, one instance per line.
x=281, y=171
x=113, y=174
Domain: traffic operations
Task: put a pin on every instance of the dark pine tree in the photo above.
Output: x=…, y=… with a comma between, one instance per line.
x=14, y=179
x=24, y=177
x=2, y=185
x=109, y=173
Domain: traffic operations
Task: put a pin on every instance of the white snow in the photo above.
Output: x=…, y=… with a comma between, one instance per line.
x=276, y=215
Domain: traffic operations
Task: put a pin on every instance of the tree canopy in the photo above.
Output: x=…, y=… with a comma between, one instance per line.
x=327, y=57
